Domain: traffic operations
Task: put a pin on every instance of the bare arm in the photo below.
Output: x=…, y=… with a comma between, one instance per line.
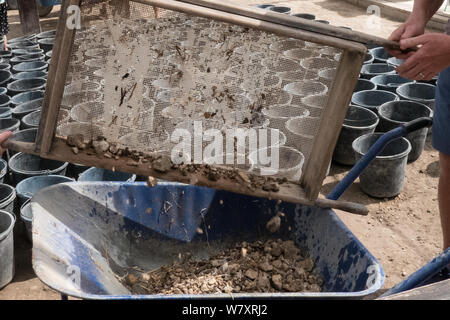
x=424, y=10
x=433, y=49
x=415, y=25
x=4, y=136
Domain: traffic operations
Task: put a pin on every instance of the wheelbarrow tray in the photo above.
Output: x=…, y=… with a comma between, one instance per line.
x=84, y=234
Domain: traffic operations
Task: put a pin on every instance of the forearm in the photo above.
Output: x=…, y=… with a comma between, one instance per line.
x=424, y=10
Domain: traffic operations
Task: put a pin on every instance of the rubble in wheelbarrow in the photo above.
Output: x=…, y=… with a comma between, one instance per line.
x=259, y=267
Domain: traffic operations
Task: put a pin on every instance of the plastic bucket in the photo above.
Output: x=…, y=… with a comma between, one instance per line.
x=27, y=135
x=3, y=169
x=21, y=52
x=46, y=44
x=389, y=82
x=5, y=77
x=306, y=16
x=7, y=222
x=299, y=134
x=74, y=170
x=80, y=86
x=46, y=34
x=29, y=75
x=384, y=177
x=396, y=113
x=27, y=107
x=26, y=38
x=48, y=56
x=26, y=96
x=72, y=99
x=279, y=114
x=28, y=187
x=290, y=163
x=372, y=99
x=380, y=54
x=23, y=45
x=7, y=197
x=5, y=101
x=30, y=66
x=26, y=215
x=5, y=113
x=5, y=54
x=9, y=125
x=432, y=81
x=5, y=66
x=280, y=9
x=32, y=119
x=358, y=122
x=87, y=112
x=99, y=174
x=20, y=86
x=396, y=62
x=24, y=165
x=3, y=90
x=264, y=6
x=369, y=58
x=419, y=92
x=27, y=58
x=368, y=71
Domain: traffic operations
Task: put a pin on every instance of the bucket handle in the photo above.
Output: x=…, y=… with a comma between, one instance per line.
x=377, y=147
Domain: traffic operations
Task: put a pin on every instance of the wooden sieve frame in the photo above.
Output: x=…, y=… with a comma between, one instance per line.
x=307, y=192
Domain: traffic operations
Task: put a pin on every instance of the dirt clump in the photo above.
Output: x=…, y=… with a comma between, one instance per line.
x=271, y=266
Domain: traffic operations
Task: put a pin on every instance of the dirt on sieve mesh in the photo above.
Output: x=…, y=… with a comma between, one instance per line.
x=258, y=267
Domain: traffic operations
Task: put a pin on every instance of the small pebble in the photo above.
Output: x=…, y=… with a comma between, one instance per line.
x=152, y=182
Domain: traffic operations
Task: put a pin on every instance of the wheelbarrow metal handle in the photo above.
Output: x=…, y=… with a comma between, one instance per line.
x=418, y=124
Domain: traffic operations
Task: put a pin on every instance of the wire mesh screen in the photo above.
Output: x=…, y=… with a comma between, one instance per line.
x=199, y=91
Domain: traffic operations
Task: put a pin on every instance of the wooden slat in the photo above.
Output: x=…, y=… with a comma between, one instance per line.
x=295, y=22
x=29, y=16
x=289, y=192
x=270, y=27
x=56, y=80
x=331, y=122
x=334, y=112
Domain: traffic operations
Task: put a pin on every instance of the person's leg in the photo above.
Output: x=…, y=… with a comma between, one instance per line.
x=444, y=197
x=441, y=142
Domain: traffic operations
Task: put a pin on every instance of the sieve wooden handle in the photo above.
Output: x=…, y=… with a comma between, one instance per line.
x=350, y=207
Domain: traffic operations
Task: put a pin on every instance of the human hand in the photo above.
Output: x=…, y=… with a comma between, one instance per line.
x=432, y=57
x=4, y=136
x=411, y=28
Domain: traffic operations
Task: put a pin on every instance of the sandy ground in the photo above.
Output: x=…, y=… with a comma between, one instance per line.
x=403, y=233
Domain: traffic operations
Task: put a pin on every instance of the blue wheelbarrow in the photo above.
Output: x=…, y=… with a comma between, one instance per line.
x=86, y=234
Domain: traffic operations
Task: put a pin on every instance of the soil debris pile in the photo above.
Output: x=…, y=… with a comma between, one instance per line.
x=270, y=266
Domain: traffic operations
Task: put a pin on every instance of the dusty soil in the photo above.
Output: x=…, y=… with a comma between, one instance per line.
x=403, y=233
x=271, y=266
